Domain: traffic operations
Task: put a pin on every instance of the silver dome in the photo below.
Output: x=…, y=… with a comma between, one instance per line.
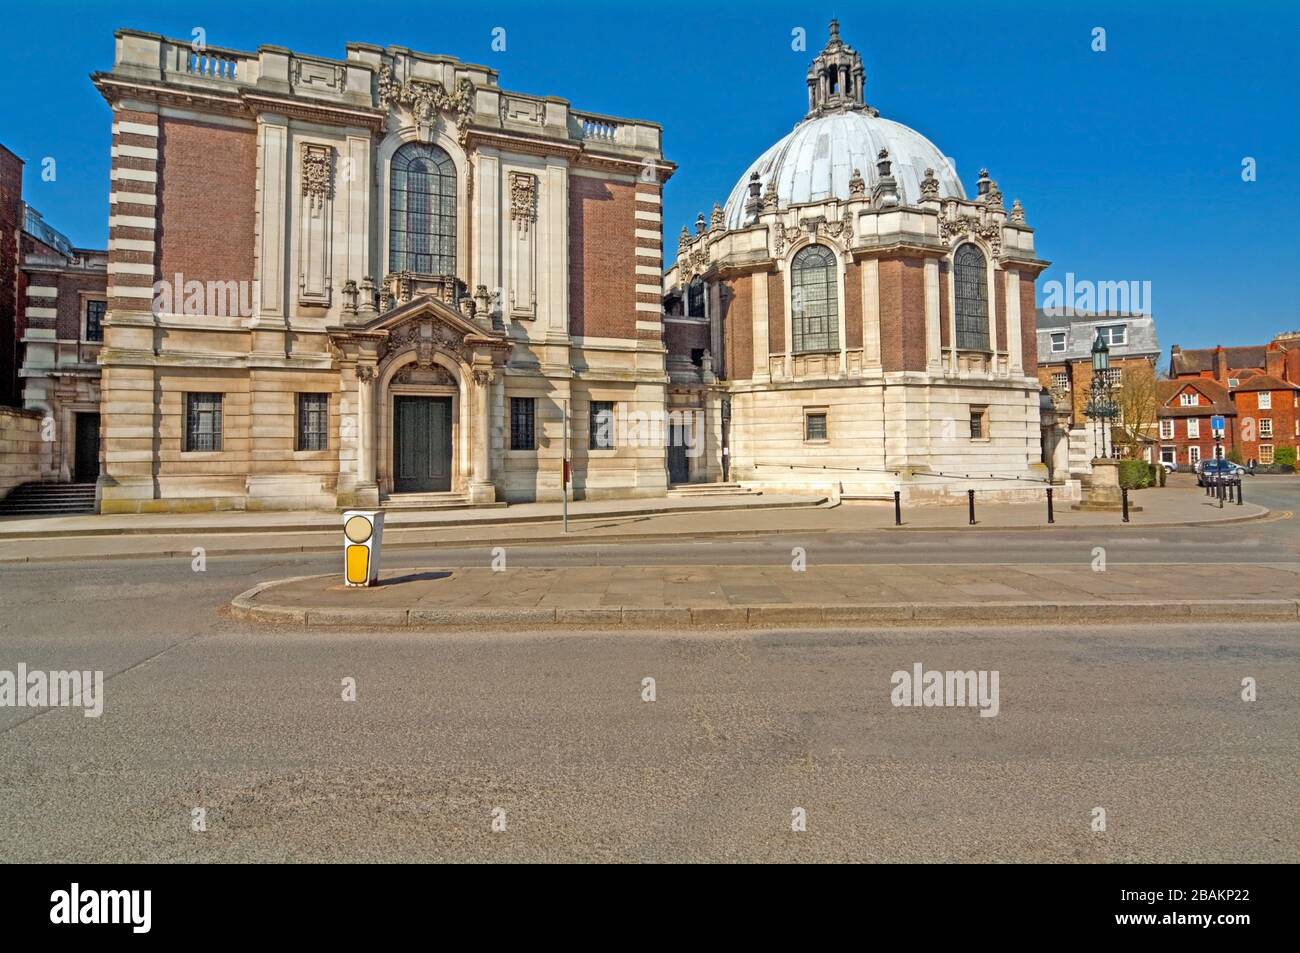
x=816, y=160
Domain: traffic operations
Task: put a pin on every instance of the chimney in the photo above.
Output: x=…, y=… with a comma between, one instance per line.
x=1221, y=365
x=1274, y=359
x=1173, y=361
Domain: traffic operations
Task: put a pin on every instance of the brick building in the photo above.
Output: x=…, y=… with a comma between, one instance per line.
x=341, y=281
x=1259, y=383
x=849, y=317
x=1186, y=409
x=11, y=225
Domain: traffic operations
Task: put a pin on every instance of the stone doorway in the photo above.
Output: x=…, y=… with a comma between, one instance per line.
x=422, y=444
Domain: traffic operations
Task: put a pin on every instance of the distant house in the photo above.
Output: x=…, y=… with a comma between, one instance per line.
x=1065, y=351
x=1258, y=384
x=1186, y=409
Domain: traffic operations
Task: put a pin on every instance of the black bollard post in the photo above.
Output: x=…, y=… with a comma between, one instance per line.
x=1230, y=490
x=1221, y=481
x=1123, y=495
x=1051, y=518
x=898, y=509
x=970, y=499
x=1241, y=491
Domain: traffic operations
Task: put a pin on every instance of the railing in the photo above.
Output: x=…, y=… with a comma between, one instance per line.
x=211, y=66
x=600, y=130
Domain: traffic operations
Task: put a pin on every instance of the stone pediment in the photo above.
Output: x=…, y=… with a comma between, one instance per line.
x=426, y=324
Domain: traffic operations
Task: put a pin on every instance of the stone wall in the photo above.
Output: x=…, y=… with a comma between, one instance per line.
x=20, y=445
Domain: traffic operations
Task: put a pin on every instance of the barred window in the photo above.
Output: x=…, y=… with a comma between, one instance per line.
x=313, y=421
x=422, y=211
x=814, y=300
x=1060, y=381
x=602, y=425
x=95, y=320
x=814, y=426
x=523, y=436
x=979, y=423
x=970, y=276
x=202, y=422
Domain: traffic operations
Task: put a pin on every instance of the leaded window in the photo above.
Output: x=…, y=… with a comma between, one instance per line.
x=971, y=279
x=422, y=211
x=95, y=320
x=313, y=421
x=695, y=300
x=202, y=422
x=522, y=428
x=814, y=300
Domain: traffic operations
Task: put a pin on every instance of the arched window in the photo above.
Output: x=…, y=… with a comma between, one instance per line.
x=971, y=278
x=814, y=300
x=422, y=211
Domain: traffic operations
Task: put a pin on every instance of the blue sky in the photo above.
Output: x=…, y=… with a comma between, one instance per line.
x=1128, y=162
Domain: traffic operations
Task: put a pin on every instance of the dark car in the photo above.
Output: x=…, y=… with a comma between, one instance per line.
x=1209, y=470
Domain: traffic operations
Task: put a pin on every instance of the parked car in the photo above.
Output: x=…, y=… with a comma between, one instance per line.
x=1212, y=469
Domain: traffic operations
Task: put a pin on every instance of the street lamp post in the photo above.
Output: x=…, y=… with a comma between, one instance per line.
x=1101, y=407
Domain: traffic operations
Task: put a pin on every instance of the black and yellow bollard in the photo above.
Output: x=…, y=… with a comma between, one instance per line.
x=363, y=531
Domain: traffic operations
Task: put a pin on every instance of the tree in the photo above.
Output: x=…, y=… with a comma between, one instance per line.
x=1139, y=408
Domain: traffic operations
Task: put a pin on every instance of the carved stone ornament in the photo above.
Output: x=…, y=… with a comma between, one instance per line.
x=683, y=239
x=365, y=373
x=317, y=186
x=857, y=185
x=523, y=200
x=716, y=221
x=434, y=375
x=426, y=335
x=1017, y=212
x=770, y=198
x=425, y=100
x=484, y=376
x=929, y=185
x=953, y=228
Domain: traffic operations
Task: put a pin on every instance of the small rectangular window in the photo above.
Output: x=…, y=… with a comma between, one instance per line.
x=1061, y=381
x=814, y=426
x=1265, y=400
x=202, y=422
x=313, y=421
x=979, y=423
x=1058, y=342
x=1166, y=430
x=1193, y=428
x=1266, y=427
x=95, y=311
x=602, y=425
x=1193, y=455
x=1266, y=453
x=1188, y=399
x=522, y=417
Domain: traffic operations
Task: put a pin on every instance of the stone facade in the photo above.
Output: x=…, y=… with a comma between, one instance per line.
x=298, y=245
x=861, y=384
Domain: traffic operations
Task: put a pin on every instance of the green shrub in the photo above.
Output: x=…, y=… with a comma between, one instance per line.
x=1284, y=456
x=1134, y=474
x=1234, y=456
x=1163, y=474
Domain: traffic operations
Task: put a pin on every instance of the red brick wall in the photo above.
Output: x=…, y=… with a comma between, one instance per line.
x=1028, y=325
x=902, y=314
x=853, y=305
x=1282, y=413
x=11, y=190
x=738, y=328
x=206, y=201
x=602, y=258
x=680, y=339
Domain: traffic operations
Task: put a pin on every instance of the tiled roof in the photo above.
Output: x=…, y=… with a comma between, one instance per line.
x=1220, y=403
x=1202, y=359
x=1264, y=382
x=1081, y=330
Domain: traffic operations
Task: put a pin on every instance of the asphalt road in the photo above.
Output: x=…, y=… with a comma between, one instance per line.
x=1145, y=721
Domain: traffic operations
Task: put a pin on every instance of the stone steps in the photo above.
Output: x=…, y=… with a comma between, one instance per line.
x=49, y=499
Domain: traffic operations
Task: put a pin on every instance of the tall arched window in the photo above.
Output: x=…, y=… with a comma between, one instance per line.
x=814, y=301
x=970, y=275
x=422, y=211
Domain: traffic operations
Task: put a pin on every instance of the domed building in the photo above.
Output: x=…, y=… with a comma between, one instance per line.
x=850, y=321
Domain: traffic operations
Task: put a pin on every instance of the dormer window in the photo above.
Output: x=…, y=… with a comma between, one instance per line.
x=1189, y=400
x=1114, y=334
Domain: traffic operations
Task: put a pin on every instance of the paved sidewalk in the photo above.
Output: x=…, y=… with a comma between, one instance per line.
x=775, y=595
x=1170, y=506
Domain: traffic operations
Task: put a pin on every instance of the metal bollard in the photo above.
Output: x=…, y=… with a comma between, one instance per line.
x=1220, y=482
x=1231, y=492
x=898, y=508
x=1241, y=491
x=970, y=500
x=1123, y=495
x=1051, y=518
